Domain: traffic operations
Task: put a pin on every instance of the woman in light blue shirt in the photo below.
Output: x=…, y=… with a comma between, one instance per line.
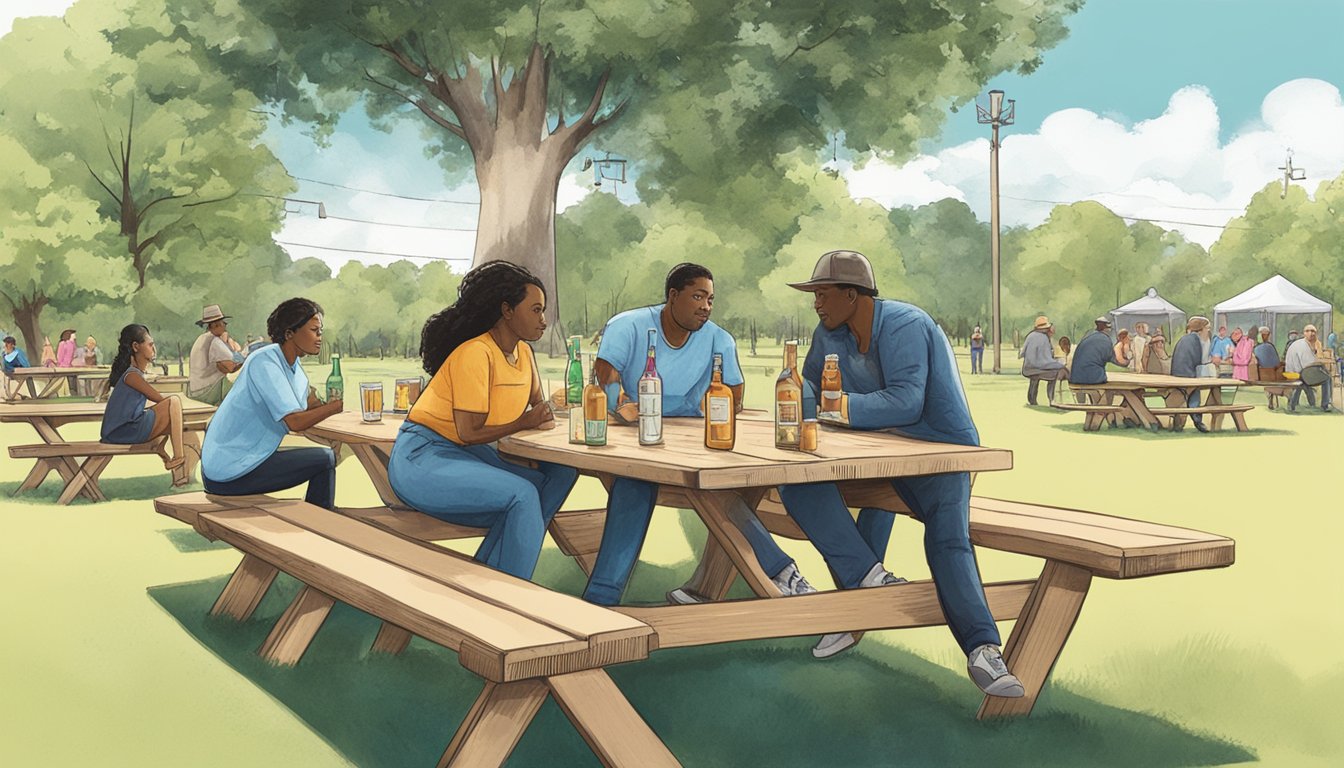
x=270, y=399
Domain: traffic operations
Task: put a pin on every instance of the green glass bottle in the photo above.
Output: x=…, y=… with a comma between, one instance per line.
x=335, y=383
x=574, y=375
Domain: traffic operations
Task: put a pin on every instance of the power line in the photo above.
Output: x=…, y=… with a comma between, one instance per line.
x=386, y=194
x=1131, y=218
x=1165, y=205
x=373, y=253
x=403, y=226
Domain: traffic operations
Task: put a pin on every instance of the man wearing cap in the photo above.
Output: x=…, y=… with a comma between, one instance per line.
x=1038, y=361
x=1190, y=354
x=211, y=359
x=1092, y=354
x=900, y=376
x=1301, y=360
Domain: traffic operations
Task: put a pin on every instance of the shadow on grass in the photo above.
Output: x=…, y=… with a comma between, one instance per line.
x=188, y=540
x=1166, y=434
x=757, y=703
x=114, y=488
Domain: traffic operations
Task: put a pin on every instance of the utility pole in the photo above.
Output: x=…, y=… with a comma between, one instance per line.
x=994, y=117
x=1290, y=173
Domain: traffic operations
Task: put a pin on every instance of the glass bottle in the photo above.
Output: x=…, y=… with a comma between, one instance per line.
x=594, y=410
x=577, y=430
x=830, y=385
x=720, y=419
x=789, y=400
x=335, y=382
x=574, y=374
x=651, y=398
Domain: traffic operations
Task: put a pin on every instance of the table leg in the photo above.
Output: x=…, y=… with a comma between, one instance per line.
x=52, y=385
x=391, y=639
x=603, y=716
x=191, y=444
x=297, y=627
x=85, y=481
x=495, y=723
x=715, y=572
x=1137, y=409
x=1039, y=635
x=246, y=587
x=375, y=464
x=712, y=506
x=1176, y=399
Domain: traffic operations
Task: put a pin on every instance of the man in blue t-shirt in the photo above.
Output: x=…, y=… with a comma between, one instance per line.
x=899, y=376
x=15, y=358
x=686, y=342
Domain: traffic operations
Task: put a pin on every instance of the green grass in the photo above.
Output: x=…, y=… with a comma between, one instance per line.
x=108, y=655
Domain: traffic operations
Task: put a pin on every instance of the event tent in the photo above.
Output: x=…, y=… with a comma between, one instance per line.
x=1152, y=309
x=1273, y=298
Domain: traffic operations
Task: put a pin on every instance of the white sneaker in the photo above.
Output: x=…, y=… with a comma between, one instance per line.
x=837, y=642
x=985, y=666
x=791, y=582
x=684, y=596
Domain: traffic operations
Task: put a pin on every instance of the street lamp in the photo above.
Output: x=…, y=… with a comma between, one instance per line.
x=612, y=168
x=994, y=117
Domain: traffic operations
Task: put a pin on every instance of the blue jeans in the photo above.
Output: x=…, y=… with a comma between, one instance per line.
x=629, y=508
x=471, y=485
x=977, y=360
x=1192, y=401
x=286, y=469
x=942, y=503
x=1310, y=389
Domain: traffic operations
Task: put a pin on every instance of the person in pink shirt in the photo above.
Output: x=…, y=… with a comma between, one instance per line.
x=65, y=349
x=1242, y=346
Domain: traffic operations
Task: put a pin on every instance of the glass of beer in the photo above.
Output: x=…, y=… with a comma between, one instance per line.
x=406, y=393
x=371, y=401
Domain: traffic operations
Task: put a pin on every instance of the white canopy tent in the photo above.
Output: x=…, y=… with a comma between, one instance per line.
x=1271, y=299
x=1152, y=309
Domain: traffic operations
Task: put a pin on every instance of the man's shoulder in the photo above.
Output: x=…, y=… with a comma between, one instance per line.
x=895, y=314
x=718, y=333
x=634, y=318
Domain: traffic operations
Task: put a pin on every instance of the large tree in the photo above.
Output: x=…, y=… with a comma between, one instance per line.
x=699, y=91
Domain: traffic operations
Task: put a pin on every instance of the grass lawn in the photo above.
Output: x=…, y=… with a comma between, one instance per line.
x=107, y=655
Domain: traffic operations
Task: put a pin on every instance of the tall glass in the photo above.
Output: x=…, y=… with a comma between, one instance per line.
x=371, y=401
x=406, y=393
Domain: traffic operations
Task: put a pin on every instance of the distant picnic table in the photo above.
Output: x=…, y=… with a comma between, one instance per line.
x=1123, y=396
x=80, y=463
x=25, y=378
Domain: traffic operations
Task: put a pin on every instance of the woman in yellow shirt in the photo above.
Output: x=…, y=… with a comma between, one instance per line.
x=484, y=386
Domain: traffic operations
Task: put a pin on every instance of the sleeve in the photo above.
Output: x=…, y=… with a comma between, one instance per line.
x=811, y=375
x=905, y=370
x=469, y=372
x=21, y=361
x=619, y=344
x=732, y=370
x=219, y=351
x=269, y=379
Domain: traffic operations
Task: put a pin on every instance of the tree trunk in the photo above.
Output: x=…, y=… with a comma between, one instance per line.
x=27, y=316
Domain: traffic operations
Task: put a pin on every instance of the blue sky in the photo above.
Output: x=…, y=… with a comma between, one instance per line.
x=1174, y=110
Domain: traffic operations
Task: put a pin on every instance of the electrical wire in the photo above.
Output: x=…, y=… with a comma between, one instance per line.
x=386, y=194
x=1130, y=218
x=403, y=226
x=373, y=253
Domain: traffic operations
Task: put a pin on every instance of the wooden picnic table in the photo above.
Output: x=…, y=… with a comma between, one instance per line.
x=1129, y=390
x=60, y=455
x=52, y=378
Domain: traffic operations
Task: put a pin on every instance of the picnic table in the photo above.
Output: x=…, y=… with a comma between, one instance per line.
x=95, y=385
x=25, y=378
x=1124, y=395
x=57, y=454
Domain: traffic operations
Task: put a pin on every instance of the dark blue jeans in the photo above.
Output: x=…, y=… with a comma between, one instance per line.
x=286, y=469
x=942, y=503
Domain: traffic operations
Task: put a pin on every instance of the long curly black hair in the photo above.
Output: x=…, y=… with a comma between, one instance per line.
x=131, y=334
x=476, y=310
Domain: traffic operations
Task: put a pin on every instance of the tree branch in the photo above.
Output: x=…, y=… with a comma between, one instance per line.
x=101, y=184
x=144, y=211
x=424, y=106
x=802, y=47
x=229, y=196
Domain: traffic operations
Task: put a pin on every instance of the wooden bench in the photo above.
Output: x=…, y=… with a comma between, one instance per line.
x=81, y=478
x=524, y=640
x=1075, y=545
x=1096, y=413
x=1217, y=411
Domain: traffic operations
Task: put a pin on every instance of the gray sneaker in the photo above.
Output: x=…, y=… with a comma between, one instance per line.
x=791, y=582
x=685, y=596
x=986, y=668
x=838, y=642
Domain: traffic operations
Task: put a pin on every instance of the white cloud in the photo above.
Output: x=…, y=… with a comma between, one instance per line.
x=1171, y=167
x=18, y=9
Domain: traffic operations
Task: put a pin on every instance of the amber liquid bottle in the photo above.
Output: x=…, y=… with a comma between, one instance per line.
x=720, y=419
x=594, y=410
x=789, y=401
x=830, y=385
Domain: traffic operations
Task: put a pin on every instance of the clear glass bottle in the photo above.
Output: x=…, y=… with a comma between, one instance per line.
x=830, y=385
x=651, y=398
x=720, y=416
x=594, y=410
x=789, y=400
x=335, y=382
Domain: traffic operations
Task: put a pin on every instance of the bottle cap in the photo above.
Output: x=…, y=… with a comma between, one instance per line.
x=830, y=358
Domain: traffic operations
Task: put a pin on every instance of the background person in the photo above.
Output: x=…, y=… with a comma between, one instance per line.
x=65, y=349
x=211, y=359
x=1189, y=356
x=483, y=387
x=242, y=454
x=126, y=420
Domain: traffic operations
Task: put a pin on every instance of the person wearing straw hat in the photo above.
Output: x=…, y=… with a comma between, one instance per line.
x=900, y=376
x=211, y=359
x=1039, y=362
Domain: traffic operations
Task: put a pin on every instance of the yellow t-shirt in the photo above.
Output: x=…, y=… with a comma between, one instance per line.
x=476, y=377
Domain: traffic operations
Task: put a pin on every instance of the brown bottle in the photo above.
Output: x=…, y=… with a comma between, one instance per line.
x=720, y=416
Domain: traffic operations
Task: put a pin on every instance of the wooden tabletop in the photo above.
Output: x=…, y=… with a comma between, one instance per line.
x=23, y=410
x=1160, y=381
x=38, y=372
x=350, y=428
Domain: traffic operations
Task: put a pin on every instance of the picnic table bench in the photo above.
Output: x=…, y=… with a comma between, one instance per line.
x=1096, y=412
x=80, y=463
x=525, y=641
x=1128, y=391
